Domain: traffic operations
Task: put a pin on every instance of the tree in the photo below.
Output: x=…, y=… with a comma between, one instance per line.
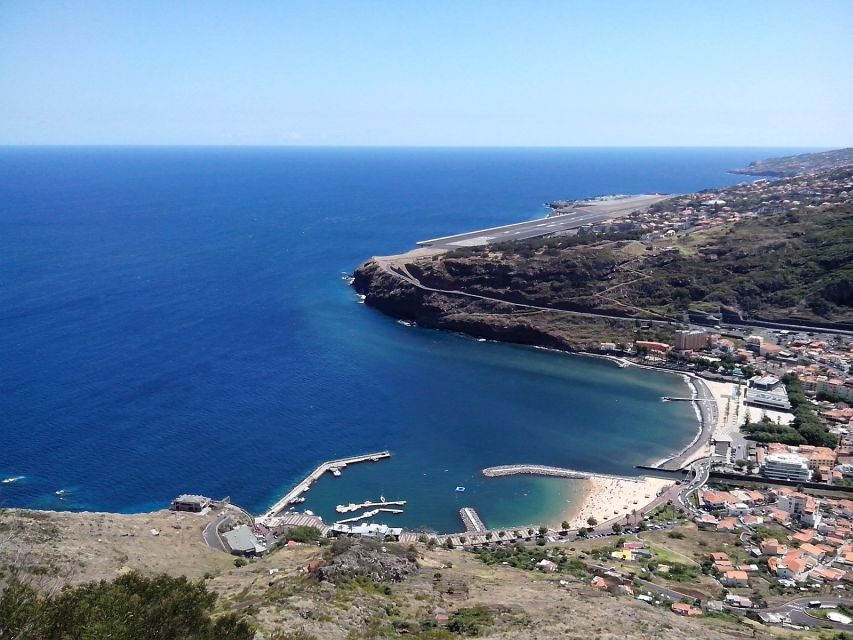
x=489, y=535
x=591, y=521
x=564, y=525
x=543, y=530
x=304, y=534
x=130, y=607
x=617, y=528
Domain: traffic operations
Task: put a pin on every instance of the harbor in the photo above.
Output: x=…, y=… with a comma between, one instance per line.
x=295, y=495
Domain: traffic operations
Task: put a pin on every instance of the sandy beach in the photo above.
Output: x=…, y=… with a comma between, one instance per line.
x=607, y=498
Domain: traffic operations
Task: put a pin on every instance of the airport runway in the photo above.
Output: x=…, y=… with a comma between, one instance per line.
x=590, y=213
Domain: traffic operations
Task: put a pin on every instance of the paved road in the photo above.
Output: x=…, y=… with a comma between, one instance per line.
x=210, y=534
x=595, y=212
x=794, y=611
x=697, y=477
x=401, y=272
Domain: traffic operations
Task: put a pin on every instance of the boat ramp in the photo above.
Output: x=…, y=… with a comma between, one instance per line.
x=471, y=520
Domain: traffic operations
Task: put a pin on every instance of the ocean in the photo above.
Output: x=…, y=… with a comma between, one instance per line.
x=176, y=320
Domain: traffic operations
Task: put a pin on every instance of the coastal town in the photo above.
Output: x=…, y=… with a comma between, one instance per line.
x=748, y=527
x=753, y=519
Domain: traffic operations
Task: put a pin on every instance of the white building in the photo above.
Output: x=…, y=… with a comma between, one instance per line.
x=768, y=392
x=786, y=466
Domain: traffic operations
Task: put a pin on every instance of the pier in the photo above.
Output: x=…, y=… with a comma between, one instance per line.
x=672, y=399
x=346, y=508
x=471, y=520
x=363, y=516
x=332, y=466
x=543, y=470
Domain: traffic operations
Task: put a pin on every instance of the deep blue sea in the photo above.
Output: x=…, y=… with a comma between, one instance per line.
x=174, y=320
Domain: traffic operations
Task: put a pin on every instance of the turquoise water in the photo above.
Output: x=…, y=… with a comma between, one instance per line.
x=174, y=320
x=535, y=407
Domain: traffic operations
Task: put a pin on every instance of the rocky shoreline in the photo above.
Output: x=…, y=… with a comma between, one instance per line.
x=487, y=319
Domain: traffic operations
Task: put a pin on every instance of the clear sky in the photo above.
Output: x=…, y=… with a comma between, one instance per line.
x=492, y=73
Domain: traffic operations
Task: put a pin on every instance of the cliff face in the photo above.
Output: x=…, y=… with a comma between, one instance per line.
x=491, y=320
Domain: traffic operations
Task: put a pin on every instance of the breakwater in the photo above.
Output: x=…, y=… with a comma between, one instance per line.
x=544, y=470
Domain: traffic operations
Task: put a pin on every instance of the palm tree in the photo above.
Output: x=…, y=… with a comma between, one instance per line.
x=565, y=525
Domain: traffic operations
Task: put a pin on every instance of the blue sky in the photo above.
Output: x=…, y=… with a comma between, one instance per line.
x=758, y=73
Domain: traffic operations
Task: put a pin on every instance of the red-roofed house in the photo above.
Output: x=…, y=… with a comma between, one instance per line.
x=683, y=609
x=727, y=524
x=735, y=578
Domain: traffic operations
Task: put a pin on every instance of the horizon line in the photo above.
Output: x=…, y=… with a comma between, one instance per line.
x=398, y=146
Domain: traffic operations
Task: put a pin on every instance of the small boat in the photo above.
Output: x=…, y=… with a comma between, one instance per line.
x=460, y=489
x=12, y=479
x=309, y=513
x=61, y=492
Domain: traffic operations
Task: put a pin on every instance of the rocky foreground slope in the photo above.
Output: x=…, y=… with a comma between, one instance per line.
x=339, y=591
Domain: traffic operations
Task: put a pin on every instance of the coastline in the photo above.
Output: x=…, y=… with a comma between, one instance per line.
x=608, y=499
x=707, y=417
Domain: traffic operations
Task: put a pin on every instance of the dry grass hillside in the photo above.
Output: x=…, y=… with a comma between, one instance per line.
x=364, y=591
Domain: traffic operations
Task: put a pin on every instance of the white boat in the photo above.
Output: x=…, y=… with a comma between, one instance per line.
x=12, y=479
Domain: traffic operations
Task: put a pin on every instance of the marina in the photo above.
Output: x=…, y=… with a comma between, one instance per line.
x=334, y=466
